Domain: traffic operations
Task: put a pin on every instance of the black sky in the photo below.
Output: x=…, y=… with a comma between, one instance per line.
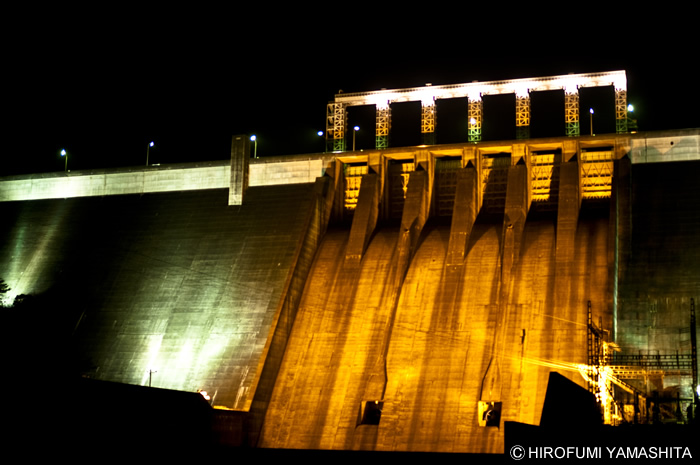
x=102, y=87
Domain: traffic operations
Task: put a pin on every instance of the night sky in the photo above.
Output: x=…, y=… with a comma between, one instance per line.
x=102, y=87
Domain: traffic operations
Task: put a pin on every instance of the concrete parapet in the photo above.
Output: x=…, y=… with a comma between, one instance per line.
x=117, y=182
x=681, y=145
x=168, y=178
x=286, y=172
x=666, y=146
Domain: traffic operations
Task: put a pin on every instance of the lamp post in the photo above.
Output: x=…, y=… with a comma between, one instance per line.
x=255, y=145
x=591, y=110
x=150, y=375
x=65, y=154
x=148, y=150
x=355, y=129
x=321, y=134
x=631, y=122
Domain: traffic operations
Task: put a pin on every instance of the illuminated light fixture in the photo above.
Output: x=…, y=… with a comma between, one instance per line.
x=631, y=123
x=521, y=90
x=254, y=140
x=148, y=150
x=325, y=140
x=65, y=154
x=591, y=110
x=426, y=96
x=355, y=129
x=205, y=395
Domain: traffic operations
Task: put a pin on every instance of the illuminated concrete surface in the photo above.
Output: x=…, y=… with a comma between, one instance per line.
x=441, y=343
x=404, y=300
x=178, y=283
x=428, y=95
x=166, y=178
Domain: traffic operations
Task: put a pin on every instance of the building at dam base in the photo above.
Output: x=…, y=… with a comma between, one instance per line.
x=408, y=299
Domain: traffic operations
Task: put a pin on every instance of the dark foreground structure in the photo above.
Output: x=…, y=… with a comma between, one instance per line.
x=413, y=299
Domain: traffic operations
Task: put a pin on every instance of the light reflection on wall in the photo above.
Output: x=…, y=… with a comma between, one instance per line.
x=151, y=357
x=29, y=268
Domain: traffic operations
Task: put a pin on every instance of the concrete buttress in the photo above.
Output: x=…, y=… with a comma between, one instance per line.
x=464, y=215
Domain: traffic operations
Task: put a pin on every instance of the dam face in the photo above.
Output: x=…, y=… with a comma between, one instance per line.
x=169, y=289
x=443, y=357
x=398, y=300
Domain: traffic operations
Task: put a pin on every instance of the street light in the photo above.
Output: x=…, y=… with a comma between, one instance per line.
x=591, y=110
x=355, y=129
x=148, y=150
x=325, y=141
x=255, y=145
x=631, y=122
x=150, y=375
x=65, y=154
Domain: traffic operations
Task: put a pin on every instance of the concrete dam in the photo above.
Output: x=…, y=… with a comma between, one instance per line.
x=405, y=299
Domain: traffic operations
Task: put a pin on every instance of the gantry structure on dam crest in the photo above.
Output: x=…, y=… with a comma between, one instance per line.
x=336, y=117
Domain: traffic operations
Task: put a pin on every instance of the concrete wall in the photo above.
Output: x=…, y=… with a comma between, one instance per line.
x=174, y=178
x=280, y=330
x=475, y=332
x=666, y=146
x=117, y=182
x=440, y=344
x=661, y=265
x=236, y=299
x=179, y=283
x=285, y=171
x=643, y=148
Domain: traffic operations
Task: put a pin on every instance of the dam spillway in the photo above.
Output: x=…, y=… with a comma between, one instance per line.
x=380, y=303
x=440, y=355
